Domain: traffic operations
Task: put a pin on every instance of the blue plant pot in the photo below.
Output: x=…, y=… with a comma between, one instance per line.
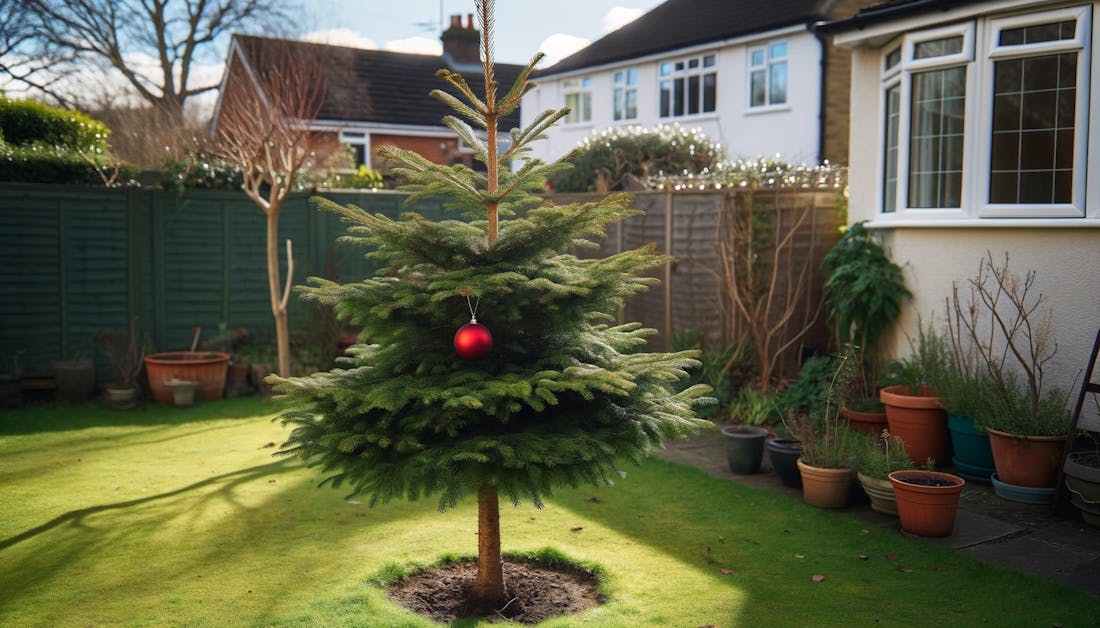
x=973, y=457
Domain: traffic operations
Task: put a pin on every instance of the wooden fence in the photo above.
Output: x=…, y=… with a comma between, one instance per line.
x=75, y=261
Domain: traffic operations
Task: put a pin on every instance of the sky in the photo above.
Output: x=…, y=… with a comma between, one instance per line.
x=523, y=27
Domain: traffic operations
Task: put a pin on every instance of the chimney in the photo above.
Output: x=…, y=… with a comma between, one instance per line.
x=461, y=45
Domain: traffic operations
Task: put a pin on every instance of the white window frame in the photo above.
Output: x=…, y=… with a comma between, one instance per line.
x=581, y=87
x=702, y=69
x=357, y=138
x=995, y=52
x=624, y=82
x=766, y=67
x=979, y=53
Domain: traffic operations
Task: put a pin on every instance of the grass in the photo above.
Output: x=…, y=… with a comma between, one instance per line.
x=165, y=516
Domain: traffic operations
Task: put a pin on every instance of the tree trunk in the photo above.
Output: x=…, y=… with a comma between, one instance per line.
x=489, y=593
x=278, y=308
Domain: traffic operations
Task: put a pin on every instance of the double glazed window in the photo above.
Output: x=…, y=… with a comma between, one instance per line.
x=625, y=94
x=688, y=86
x=768, y=75
x=578, y=97
x=987, y=118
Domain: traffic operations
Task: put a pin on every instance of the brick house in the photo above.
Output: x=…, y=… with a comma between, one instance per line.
x=375, y=98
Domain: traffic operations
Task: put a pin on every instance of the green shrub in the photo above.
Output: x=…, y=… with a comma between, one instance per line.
x=38, y=163
x=27, y=122
x=200, y=172
x=602, y=161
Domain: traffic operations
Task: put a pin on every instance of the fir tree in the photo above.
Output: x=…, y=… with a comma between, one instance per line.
x=563, y=398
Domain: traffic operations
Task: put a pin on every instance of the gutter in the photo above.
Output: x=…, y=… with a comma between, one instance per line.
x=822, y=110
x=869, y=17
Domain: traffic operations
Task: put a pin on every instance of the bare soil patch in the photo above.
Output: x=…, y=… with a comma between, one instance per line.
x=535, y=592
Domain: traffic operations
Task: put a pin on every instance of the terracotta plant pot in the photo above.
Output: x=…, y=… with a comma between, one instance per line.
x=826, y=488
x=1030, y=461
x=927, y=510
x=881, y=493
x=869, y=422
x=208, y=368
x=1082, y=472
x=783, y=453
x=919, y=421
x=744, y=448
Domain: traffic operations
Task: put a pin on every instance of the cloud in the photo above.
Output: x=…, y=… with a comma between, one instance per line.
x=559, y=46
x=619, y=17
x=341, y=37
x=415, y=45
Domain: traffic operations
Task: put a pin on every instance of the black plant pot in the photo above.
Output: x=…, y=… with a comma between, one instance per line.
x=744, y=448
x=784, y=454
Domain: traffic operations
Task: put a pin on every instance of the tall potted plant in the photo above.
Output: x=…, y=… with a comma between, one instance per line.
x=1027, y=420
x=825, y=466
x=863, y=296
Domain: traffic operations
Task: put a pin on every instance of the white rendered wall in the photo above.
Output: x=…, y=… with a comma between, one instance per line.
x=790, y=130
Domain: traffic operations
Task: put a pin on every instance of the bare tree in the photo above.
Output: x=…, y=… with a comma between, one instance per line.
x=153, y=44
x=263, y=127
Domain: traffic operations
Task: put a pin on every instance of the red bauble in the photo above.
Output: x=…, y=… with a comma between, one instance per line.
x=473, y=341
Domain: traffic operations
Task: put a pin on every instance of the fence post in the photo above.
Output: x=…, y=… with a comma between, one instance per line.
x=667, y=331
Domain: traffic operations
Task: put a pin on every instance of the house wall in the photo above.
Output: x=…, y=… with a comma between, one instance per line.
x=791, y=130
x=1065, y=256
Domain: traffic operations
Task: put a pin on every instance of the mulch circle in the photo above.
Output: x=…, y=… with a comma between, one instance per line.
x=535, y=592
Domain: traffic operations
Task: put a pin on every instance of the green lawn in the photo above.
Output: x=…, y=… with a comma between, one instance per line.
x=162, y=516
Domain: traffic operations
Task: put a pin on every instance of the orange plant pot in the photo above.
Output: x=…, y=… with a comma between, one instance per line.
x=869, y=422
x=919, y=421
x=1030, y=461
x=927, y=510
x=826, y=488
x=208, y=368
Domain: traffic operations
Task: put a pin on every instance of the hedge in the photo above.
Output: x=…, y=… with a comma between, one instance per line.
x=26, y=122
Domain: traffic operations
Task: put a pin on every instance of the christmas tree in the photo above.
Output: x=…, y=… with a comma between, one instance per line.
x=561, y=398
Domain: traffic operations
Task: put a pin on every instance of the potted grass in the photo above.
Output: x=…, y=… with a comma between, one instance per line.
x=826, y=440
x=875, y=457
x=864, y=292
x=124, y=353
x=927, y=500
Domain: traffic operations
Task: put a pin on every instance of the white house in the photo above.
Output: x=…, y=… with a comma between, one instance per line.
x=978, y=132
x=753, y=76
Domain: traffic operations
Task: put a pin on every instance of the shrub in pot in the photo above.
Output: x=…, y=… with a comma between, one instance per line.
x=124, y=353
x=863, y=296
x=913, y=411
x=1011, y=330
x=874, y=458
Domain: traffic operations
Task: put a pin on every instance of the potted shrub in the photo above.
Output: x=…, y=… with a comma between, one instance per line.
x=863, y=296
x=826, y=441
x=874, y=458
x=124, y=353
x=913, y=411
x=927, y=500
x=1027, y=420
x=808, y=392
x=745, y=439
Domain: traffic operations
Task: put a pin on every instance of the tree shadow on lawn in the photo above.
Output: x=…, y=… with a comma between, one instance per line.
x=58, y=417
x=772, y=547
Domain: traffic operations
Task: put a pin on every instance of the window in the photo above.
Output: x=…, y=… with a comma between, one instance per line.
x=357, y=144
x=625, y=94
x=987, y=119
x=688, y=86
x=768, y=75
x=578, y=97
